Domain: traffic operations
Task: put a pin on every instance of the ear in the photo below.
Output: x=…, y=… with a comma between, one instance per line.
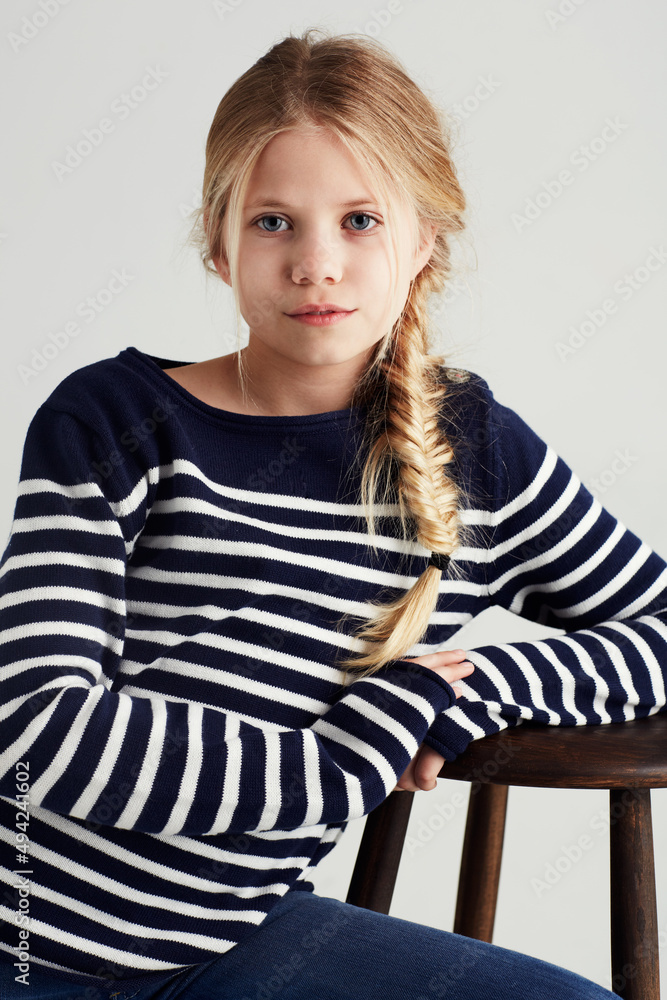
x=423, y=253
x=220, y=263
x=222, y=267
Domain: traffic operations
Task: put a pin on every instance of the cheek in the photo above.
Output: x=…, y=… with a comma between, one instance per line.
x=260, y=269
x=375, y=276
x=377, y=266
x=261, y=296
x=252, y=274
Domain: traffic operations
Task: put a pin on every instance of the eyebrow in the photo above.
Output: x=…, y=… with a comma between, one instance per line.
x=266, y=202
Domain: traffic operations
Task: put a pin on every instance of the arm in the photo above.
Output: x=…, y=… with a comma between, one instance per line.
x=556, y=557
x=151, y=764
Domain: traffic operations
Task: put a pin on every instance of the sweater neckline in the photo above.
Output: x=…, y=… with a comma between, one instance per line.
x=154, y=366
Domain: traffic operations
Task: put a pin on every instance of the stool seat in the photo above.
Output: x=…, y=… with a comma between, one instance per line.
x=618, y=755
x=627, y=758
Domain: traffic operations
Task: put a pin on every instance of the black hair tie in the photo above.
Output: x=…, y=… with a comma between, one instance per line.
x=438, y=560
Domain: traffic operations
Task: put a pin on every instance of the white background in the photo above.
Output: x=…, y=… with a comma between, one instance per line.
x=552, y=81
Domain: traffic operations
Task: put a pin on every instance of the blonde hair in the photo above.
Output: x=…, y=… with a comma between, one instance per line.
x=352, y=87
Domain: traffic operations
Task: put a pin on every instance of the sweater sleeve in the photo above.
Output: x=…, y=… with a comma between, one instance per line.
x=556, y=557
x=146, y=763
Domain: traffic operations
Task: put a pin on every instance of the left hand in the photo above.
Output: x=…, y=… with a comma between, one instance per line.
x=422, y=771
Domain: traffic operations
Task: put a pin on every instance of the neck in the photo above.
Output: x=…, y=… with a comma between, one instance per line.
x=277, y=386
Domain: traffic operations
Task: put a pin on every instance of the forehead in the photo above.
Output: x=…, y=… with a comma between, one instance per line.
x=299, y=161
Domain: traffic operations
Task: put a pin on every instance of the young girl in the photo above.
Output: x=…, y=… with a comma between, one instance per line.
x=228, y=582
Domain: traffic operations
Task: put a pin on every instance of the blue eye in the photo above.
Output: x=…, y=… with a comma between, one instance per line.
x=362, y=215
x=275, y=220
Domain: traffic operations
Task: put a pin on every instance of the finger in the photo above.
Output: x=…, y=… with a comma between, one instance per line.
x=465, y=670
x=460, y=670
x=428, y=767
x=425, y=780
x=452, y=656
x=408, y=781
x=455, y=671
x=443, y=657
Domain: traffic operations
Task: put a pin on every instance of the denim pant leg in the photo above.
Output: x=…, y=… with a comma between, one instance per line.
x=313, y=947
x=317, y=948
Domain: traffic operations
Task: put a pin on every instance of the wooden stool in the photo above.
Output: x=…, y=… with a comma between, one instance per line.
x=627, y=758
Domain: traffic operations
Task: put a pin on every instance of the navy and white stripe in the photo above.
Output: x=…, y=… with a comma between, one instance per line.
x=170, y=603
x=557, y=557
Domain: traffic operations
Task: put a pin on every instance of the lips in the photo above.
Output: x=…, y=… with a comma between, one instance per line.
x=314, y=308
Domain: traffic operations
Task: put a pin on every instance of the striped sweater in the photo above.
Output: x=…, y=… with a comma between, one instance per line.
x=170, y=605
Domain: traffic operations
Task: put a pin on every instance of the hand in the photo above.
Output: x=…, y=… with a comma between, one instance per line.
x=422, y=771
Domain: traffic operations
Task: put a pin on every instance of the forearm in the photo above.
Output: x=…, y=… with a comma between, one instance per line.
x=609, y=673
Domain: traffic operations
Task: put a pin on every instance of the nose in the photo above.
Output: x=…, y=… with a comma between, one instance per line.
x=317, y=259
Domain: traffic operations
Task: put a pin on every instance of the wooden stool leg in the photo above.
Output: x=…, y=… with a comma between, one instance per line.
x=480, y=862
x=379, y=854
x=634, y=917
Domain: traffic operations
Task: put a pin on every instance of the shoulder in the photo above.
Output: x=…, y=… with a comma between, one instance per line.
x=470, y=404
x=110, y=422
x=487, y=438
x=498, y=452
x=467, y=405
x=114, y=394
x=471, y=384
x=457, y=376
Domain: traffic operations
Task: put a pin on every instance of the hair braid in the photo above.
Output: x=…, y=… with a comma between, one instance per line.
x=413, y=441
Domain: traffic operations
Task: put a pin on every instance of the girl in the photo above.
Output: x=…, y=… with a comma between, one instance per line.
x=228, y=582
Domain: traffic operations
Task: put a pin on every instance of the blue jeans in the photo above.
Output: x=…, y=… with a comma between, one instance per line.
x=313, y=947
